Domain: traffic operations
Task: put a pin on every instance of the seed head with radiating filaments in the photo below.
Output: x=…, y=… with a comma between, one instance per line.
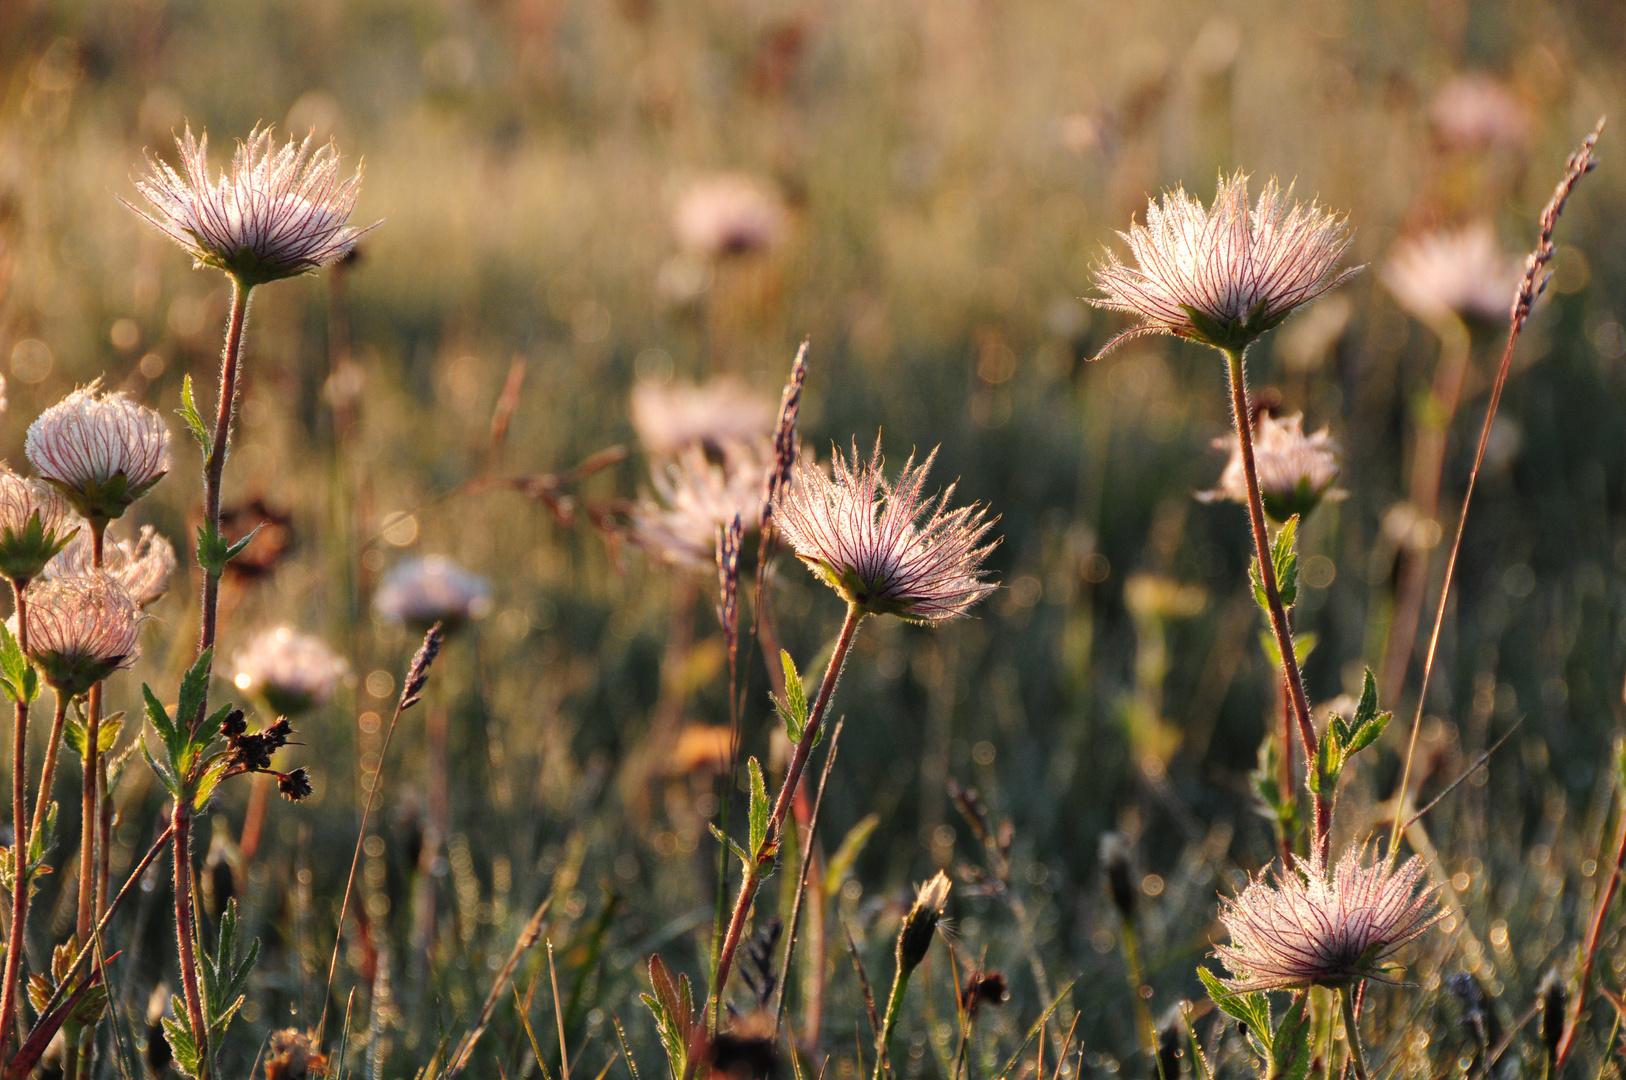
x=696, y=495
x=292, y=671
x=277, y=212
x=886, y=549
x=81, y=630
x=422, y=592
x=1461, y=273
x=1309, y=930
x=1226, y=273
x=35, y=523
x=1296, y=471
x=102, y=451
x=143, y=565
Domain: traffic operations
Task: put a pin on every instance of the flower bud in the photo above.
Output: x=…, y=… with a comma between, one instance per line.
x=921, y=923
x=81, y=630
x=102, y=452
x=35, y=524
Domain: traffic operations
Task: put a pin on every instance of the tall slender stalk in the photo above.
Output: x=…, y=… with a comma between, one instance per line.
x=793, y=774
x=90, y=813
x=42, y=801
x=214, y=465
x=19, y=843
x=1352, y=1033
x=185, y=932
x=1279, y=624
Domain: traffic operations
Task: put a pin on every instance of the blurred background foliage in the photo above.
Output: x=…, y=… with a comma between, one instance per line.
x=947, y=171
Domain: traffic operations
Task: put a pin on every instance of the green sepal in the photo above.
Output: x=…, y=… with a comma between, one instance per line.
x=189, y=413
x=23, y=555
x=1329, y=763
x=78, y=733
x=1232, y=335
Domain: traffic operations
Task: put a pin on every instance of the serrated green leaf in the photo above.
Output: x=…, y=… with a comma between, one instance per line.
x=1251, y=1009
x=722, y=838
x=1368, y=723
x=179, y=1036
x=792, y=710
x=194, y=690
x=209, y=778
x=760, y=809
x=189, y=413
x=1290, y=1044
x=165, y=777
x=1329, y=762
x=1284, y=558
x=14, y=666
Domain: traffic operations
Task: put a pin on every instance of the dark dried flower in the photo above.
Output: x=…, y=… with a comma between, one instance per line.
x=1223, y=274
x=295, y=786
x=1553, y=998
x=1309, y=930
x=983, y=988
x=883, y=547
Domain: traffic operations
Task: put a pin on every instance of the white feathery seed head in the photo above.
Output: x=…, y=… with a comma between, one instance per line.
x=729, y=214
x=1296, y=471
x=102, y=451
x=292, y=671
x=1461, y=273
x=1307, y=929
x=695, y=495
x=277, y=212
x=1226, y=273
x=81, y=630
x=35, y=523
x=422, y=592
x=713, y=415
x=143, y=565
x=884, y=547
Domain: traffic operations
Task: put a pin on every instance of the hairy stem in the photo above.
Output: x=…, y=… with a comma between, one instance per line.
x=894, y=1004
x=1352, y=1033
x=1279, y=625
x=793, y=775
x=214, y=465
x=186, y=932
x=90, y=813
x=19, y=844
x=42, y=802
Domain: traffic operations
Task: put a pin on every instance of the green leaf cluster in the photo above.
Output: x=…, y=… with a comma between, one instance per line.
x=222, y=978
x=672, y=1005
x=1284, y=1047
x=794, y=709
x=1284, y=560
x=187, y=770
x=1344, y=739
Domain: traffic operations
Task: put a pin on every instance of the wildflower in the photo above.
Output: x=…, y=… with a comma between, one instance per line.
x=1476, y=112
x=278, y=212
x=920, y=924
x=696, y=495
x=1296, y=472
x=729, y=214
x=292, y=671
x=81, y=630
x=1461, y=273
x=883, y=547
x=143, y=566
x=713, y=416
x=422, y=592
x=1307, y=930
x=102, y=451
x=35, y=524
x=1225, y=274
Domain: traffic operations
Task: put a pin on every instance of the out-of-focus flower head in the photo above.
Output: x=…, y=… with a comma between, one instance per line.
x=1223, y=274
x=36, y=522
x=81, y=630
x=1309, y=930
x=882, y=546
x=1460, y=273
x=695, y=496
x=920, y=924
x=278, y=211
x=142, y=566
x=1296, y=471
x=422, y=592
x=1476, y=112
x=729, y=214
x=674, y=417
x=103, y=451
x=292, y=671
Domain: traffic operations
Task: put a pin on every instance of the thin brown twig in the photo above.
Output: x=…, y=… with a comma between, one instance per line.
x=1578, y=165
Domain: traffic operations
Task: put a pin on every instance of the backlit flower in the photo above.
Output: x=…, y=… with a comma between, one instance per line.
x=1307, y=930
x=729, y=214
x=81, y=630
x=696, y=495
x=1475, y=111
x=1224, y=274
x=671, y=418
x=883, y=547
x=279, y=211
x=1296, y=471
x=292, y=671
x=143, y=566
x=102, y=451
x=35, y=523
x=1462, y=272
x=422, y=592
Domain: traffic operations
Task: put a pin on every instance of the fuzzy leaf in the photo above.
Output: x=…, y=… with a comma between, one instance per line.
x=760, y=810
x=1290, y=1045
x=189, y=413
x=1368, y=723
x=194, y=690
x=1251, y=1009
x=793, y=710
x=17, y=677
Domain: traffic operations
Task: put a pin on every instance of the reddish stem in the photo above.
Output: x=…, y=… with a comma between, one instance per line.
x=19, y=845
x=214, y=466
x=185, y=931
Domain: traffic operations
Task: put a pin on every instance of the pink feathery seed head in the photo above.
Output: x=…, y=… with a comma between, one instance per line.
x=729, y=214
x=1296, y=471
x=433, y=589
x=1223, y=274
x=143, y=565
x=885, y=548
x=101, y=451
x=292, y=671
x=277, y=212
x=1307, y=929
x=81, y=630
x=698, y=494
x=35, y=524
x=673, y=417
x=1461, y=272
